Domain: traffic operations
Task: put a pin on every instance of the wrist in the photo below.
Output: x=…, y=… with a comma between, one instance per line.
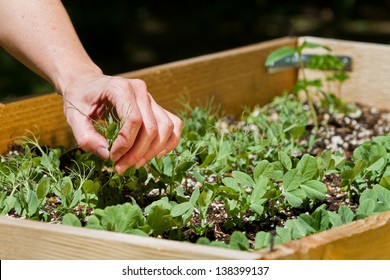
x=73, y=75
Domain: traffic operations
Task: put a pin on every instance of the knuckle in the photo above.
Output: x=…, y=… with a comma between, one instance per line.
x=139, y=84
x=135, y=120
x=169, y=125
x=152, y=130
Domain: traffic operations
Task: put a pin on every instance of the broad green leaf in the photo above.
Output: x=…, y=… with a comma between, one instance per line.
x=224, y=150
x=385, y=182
x=205, y=197
x=3, y=196
x=167, y=166
x=159, y=219
x=231, y=183
x=383, y=141
x=259, y=189
x=45, y=162
x=263, y=168
x=136, y=231
x=279, y=54
x=66, y=186
x=181, y=209
x=299, y=228
x=285, y=160
x=262, y=240
x=377, y=165
x=383, y=195
x=238, y=240
x=111, y=131
x=292, y=179
x=194, y=196
x=33, y=203
x=258, y=208
x=71, y=219
x=8, y=204
x=94, y=223
x=371, y=152
x=368, y=194
x=307, y=166
x=90, y=186
x=321, y=219
x=243, y=178
x=184, y=166
x=198, y=177
x=76, y=198
x=366, y=208
x=314, y=189
x=284, y=234
x=208, y=160
x=346, y=214
x=122, y=217
x=295, y=197
x=360, y=165
x=203, y=241
x=348, y=174
x=335, y=219
x=43, y=188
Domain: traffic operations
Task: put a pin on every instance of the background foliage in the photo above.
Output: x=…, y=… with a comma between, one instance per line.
x=125, y=35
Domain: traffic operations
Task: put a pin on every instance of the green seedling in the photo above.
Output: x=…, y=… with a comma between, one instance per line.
x=326, y=63
x=109, y=125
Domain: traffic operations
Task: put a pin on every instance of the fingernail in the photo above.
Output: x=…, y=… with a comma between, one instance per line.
x=115, y=156
x=119, y=169
x=162, y=153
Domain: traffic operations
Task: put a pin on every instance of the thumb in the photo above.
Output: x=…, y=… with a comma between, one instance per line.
x=87, y=138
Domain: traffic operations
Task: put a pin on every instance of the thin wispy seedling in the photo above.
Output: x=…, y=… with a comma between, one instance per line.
x=109, y=124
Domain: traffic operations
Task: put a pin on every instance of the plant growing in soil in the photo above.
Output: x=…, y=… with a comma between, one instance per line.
x=329, y=64
x=266, y=178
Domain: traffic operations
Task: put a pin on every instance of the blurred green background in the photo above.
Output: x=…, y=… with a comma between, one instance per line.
x=126, y=35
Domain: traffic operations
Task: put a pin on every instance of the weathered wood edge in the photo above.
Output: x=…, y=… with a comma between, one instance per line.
x=366, y=239
x=25, y=239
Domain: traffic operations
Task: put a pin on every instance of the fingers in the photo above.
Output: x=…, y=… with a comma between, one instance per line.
x=133, y=106
x=85, y=134
x=148, y=130
x=146, y=147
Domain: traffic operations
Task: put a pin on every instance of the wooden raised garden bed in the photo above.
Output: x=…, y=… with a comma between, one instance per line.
x=235, y=78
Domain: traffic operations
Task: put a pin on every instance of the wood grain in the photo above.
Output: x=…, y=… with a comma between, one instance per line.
x=24, y=239
x=367, y=239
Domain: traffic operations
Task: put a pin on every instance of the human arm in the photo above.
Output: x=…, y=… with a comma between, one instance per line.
x=40, y=34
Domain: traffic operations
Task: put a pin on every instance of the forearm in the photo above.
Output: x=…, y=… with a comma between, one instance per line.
x=40, y=34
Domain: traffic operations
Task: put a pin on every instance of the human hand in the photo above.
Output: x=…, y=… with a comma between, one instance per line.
x=148, y=130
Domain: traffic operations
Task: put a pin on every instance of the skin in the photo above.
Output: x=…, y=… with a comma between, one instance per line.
x=40, y=34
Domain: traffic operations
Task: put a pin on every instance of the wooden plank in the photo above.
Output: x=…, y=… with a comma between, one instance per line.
x=24, y=239
x=369, y=81
x=43, y=115
x=235, y=78
x=367, y=239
